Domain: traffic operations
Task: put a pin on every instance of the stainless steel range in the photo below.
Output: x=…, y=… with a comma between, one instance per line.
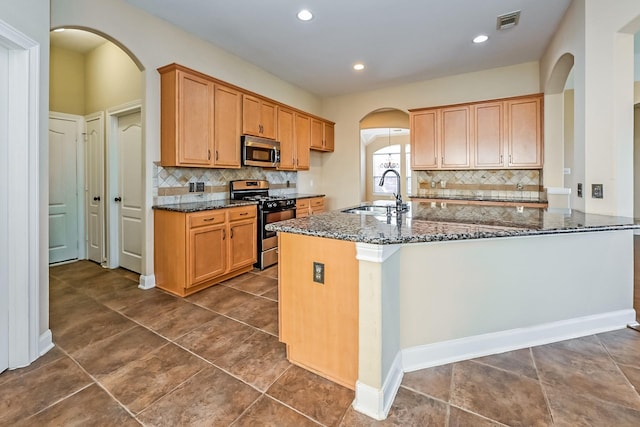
x=270, y=209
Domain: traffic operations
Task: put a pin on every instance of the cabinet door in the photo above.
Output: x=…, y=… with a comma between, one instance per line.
x=302, y=208
x=251, y=115
x=329, y=137
x=316, y=205
x=227, y=127
x=303, y=140
x=455, y=141
x=207, y=253
x=286, y=138
x=488, y=133
x=317, y=134
x=424, y=139
x=524, y=132
x=268, y=119
x=242, y=243
x=195, y=116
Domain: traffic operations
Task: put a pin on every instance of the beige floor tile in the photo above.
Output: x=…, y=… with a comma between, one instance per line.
x=51, y=356
x=269, y=413
x=220, y=299
x=462, y=418
x=259, y=312
x=499, y=395
x=318, y=398
x=519, y=362
x=435, y=382
x=36, y=390
x=623, y=345
x=257, y=285
x=141, y=382
x=91, y=406
x=211, y=397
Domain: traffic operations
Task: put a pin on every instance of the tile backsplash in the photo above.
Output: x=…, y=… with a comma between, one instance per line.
x=504, y=184
x=171, y=184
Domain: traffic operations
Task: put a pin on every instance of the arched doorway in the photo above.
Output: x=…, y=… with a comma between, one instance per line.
x=384, y=141
x=94, y=84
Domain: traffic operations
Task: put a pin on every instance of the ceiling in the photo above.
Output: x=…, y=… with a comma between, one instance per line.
x=399, y=41
x=76, y=40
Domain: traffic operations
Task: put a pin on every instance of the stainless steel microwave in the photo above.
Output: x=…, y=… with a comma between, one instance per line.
x=258, y=151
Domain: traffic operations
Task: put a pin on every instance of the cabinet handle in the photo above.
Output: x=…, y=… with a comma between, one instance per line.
x=509, y=158
x=442, y=160
x=224, y=234
x=232, y=233
x=208, y=154
x=501, y=158
x=216, y=155
x=244, y=213
x=208, y=219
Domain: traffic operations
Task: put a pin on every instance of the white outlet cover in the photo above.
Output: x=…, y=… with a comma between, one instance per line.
x=566, y=171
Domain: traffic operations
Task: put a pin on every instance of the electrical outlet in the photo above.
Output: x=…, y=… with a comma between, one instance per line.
x=318, y=272
x=192, y=187
x=199, y=187
x=597, y=192
x=579, y=189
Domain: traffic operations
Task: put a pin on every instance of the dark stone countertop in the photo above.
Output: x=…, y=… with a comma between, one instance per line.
x=427, y=223
x=304, y=196
x=478, y=199
x=204, y=206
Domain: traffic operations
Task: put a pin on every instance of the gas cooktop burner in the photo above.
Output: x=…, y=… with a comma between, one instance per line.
x=265, y=198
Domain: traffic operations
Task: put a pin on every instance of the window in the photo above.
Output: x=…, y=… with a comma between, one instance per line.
x=396, y=157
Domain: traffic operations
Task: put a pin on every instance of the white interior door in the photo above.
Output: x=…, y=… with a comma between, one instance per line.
x=4, y=222
x=94, y=187
x=63, y=189
x=130, y=191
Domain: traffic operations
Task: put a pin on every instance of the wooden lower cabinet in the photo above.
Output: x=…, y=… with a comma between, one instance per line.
x=309, y=206
x=319, y=321
x=196, y=250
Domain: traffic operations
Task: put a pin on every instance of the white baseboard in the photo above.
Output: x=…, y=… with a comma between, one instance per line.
x=45, y=342
x=147, y=282
x=375, y=403
x=426, y=356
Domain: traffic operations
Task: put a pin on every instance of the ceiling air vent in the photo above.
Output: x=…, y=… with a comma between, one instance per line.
x=508, y=20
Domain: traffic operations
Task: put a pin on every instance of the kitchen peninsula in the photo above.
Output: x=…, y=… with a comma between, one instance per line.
x=365, y=297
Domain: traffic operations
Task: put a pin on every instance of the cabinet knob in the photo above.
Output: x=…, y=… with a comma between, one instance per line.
x=117, y=199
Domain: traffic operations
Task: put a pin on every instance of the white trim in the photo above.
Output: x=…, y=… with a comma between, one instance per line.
x=23, y=220
x=427, y=356
x=376, y=403
x=111, y=182
x=147, y=282
x=99, y=115
x=559, y=190
x=45, y=342
x=375, y=253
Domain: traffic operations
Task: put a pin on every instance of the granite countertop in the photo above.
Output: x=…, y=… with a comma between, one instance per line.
x=479, y=199
x=427, y=223
x=204, y=205
x=304, y=196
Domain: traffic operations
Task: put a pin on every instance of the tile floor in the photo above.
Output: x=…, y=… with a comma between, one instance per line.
x=124, y=356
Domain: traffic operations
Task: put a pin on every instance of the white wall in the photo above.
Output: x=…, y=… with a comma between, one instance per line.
x=159, y=44
x=600, y=36
x=31, y=17
x=343, y=165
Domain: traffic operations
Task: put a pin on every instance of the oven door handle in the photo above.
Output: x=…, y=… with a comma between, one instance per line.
x=275, y=155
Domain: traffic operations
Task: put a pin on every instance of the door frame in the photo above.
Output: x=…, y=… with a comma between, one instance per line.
x=80, y=174
x=27, y=193
x=111, y=190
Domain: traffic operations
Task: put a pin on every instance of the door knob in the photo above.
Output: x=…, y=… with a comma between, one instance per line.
x=96, y=199
x=117, y=199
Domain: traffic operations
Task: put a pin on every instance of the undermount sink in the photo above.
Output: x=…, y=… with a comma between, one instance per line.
x=371, y=210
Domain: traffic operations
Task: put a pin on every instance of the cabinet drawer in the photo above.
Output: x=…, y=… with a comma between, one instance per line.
x=206, y=218
x=302, y=204
x=318, y=201
x=244, y=212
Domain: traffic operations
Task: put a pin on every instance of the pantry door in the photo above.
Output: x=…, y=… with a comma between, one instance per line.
x=130, y=188
x=4, y=211
x=94, y=186
x=64, y=221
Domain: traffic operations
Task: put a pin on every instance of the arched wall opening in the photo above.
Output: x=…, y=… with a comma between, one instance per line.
x=384, y=136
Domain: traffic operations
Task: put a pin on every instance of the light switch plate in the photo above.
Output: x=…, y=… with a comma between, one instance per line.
x=597, y=191
x=318, y=272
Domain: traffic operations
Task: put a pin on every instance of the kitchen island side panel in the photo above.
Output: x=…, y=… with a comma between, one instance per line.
x=457, y=289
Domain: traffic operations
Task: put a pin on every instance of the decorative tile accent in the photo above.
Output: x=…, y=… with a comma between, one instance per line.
x=171, y=184
x=483, y=184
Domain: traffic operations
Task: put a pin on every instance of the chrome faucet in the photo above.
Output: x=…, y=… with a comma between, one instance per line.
x=397, y=194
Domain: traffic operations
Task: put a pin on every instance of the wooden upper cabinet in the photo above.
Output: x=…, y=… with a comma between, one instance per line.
x=287, y=139
x=488, y=134
x=186, y=105
x=454, y=138
x=227, y=127
x=259, y=117
x=498, y=134
x=302, y=128
x=424, y=139
x=322, y=135
x=524, y=132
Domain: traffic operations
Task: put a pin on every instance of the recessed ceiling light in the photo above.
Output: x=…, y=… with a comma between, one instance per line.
x=305, y=15
x=58, y=30
x=481, y=38
x=358, y=67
